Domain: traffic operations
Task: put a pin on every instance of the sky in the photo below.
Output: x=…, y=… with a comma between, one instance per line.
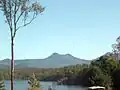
x=84, y=28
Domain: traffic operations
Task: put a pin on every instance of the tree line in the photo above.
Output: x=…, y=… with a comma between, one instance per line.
x=104, y=71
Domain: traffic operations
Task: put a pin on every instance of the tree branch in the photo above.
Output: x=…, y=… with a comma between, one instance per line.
x=6, y=14
x=34, y=16
x=10, y=18
x=17, y=7
x=19, y=16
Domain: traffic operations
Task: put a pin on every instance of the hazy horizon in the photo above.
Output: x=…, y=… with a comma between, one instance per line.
x=45, y=57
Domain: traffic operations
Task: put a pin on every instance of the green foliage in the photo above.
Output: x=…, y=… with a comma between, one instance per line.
x=116, y=78
x=105, y=71
x=34, y=83
x=116, y=48
x=106, y=63
x=98, y=78
x=2, y=86
x=35, y=88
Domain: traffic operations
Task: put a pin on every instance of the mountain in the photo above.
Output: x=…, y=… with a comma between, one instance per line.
x=53, y=61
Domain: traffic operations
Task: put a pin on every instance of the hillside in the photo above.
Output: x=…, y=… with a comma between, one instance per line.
x=53, y=61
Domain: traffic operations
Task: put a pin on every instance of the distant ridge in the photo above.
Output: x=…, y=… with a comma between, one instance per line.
x=55, y=60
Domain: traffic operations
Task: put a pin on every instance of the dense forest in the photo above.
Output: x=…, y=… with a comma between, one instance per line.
x=104, y=71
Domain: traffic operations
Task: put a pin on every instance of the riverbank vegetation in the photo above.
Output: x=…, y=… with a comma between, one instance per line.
x=2, y=86
x=34, y=83
x=104, y=71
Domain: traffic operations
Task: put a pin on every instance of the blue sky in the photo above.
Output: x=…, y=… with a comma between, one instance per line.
x=83, y=28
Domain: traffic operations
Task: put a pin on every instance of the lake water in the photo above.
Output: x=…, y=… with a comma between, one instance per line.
x=23, y=85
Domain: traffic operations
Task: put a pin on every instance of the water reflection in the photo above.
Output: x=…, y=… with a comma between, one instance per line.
x=23, y=85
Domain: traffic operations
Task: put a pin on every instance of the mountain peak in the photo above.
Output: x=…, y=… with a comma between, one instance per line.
x=55, y=60
x=55, y=53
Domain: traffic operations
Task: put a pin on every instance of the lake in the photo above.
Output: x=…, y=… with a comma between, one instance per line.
x=23, y=85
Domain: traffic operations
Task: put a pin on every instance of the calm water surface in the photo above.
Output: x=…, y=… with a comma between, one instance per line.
x=23, y=85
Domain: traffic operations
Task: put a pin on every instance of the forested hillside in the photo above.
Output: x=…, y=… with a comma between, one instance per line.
x=55, y=60
x=103, y=71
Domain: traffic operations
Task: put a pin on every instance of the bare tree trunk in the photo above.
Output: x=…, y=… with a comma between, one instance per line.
x=12, y=63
